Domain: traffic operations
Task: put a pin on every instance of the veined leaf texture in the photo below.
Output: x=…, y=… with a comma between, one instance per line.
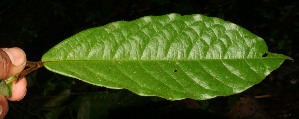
x=170, y=56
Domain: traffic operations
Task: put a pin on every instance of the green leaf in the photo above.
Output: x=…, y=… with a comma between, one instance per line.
x=170, y=56
x=6, y=86
x=4, y=89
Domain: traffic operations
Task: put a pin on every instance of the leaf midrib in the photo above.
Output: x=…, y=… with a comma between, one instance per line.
x=88, y=60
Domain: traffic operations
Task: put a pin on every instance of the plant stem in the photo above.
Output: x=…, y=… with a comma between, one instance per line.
x=32, y=66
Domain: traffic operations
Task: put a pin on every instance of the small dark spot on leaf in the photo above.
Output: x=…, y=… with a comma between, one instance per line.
x=175, y=70
x=265, y=55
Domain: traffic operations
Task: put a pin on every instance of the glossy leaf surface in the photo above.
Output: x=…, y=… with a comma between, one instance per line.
x=170, y=56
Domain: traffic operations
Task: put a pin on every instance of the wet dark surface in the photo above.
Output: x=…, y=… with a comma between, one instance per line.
x=36, y=26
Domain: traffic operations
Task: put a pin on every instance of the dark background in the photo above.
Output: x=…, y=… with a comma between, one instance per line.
x=37, y=25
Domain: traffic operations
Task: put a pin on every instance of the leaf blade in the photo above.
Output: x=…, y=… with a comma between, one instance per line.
x=169, y=56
